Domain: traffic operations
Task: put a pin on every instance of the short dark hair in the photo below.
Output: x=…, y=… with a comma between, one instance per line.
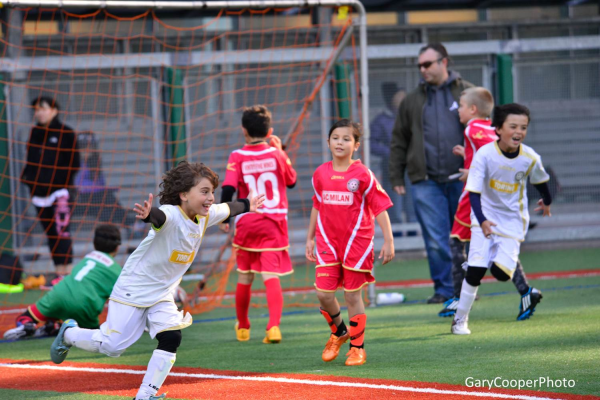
x=346, y=123
x=437, y=47
x=502, y=112
x=52, y=103
x=107, y=238
x=182, y=178
x=257, y=121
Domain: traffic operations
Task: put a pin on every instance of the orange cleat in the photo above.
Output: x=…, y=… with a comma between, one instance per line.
x=242, y=334
x=273, y=335
x=332, y=348
x=34, y=282
x=356, y=356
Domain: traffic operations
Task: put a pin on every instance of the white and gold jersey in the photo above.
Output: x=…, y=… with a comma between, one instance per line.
x=502, y=183
x=155, y=268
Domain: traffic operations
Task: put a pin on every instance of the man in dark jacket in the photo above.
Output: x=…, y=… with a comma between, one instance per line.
x=52, y=162
x=427, y=127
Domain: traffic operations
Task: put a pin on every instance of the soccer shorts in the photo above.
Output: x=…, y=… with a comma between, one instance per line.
x=53, y=305
x=461, y=228
x=125, y=324
x=266, y=262
x=331, y=277
x=500, y=250
x=259, y=232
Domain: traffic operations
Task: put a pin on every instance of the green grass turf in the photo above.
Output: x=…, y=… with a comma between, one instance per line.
x=409, y=341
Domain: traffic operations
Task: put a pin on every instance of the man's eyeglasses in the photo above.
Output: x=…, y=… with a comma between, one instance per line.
x=428, y=64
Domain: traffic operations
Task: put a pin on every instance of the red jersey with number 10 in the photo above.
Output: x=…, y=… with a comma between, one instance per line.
x=264, y=170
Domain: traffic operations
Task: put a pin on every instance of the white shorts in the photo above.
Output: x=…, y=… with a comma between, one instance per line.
x=125, y=324
x=500, y=250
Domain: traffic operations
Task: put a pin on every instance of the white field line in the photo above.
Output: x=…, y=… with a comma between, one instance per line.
x=283, y=380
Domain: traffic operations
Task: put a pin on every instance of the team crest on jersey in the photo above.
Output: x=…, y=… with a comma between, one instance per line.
x=519, y=176
x=353, y=185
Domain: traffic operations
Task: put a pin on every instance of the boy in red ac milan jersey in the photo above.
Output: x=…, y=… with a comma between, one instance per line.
x=347, y=200
x=475, y=107
x=261, y=240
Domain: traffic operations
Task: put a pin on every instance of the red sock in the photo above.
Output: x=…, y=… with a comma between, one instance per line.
x=275, y=301
x=357, y=330
x=242, y=304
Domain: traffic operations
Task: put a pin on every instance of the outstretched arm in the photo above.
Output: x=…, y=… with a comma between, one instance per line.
x=149, y=214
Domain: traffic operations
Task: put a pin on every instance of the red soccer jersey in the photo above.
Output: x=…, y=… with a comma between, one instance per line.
x=264, y=170
x=347, y=203
x=478, y=133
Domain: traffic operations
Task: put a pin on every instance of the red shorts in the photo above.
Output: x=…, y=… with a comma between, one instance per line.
x=331, y=277
x=268, y=262
x=461, y=229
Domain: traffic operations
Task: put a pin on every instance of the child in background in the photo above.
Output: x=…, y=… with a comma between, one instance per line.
x=347, y=199
x=497, y=187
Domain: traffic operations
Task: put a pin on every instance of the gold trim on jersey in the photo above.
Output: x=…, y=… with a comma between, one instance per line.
x=500, y=151
x=356, y=290
x=327, y=265
x=364, y=271
x=323, y=290
x=501, y=234
x=237, y=246
x=264, y=272
x=176, y=328
x=522, y=192
x=505, y=269
x=461, y=222
x=459, y=238
x=136, y=305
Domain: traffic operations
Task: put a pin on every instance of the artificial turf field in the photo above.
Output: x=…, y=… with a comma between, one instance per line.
x=411, y=353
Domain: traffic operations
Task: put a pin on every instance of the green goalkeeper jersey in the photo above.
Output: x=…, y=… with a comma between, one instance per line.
x=82, y=294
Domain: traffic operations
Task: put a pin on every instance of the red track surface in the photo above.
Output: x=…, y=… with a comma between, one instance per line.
x=124, y=381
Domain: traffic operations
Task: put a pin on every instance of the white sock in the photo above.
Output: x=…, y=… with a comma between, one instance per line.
x=467, y=297
x=158, y=368
x=82, y=339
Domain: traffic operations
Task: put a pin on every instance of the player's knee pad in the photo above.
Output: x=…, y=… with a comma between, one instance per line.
x=475, y=275
x=169, y=341
x=499, y=274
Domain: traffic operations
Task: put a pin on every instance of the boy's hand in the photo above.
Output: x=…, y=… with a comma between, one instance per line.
x=256, y=202
x=224, y=228
x=458, y=150
x=465, y=174
x=544, y=208
x=387, y=252
x=143, y=211
x=486, y=227
x=275, y=142
x=310, y=250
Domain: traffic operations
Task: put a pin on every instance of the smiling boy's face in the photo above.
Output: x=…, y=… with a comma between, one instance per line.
x=199, y=198
x=513, y=132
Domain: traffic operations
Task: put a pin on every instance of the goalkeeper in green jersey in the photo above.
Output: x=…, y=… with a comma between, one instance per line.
x=80, y=295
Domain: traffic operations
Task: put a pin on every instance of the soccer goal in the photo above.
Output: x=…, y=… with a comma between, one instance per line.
x=147, y=84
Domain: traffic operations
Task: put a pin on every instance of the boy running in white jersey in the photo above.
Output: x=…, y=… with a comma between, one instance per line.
x=499, y=215
x=142, y=296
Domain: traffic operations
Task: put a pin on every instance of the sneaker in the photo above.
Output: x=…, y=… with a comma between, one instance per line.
x=34, y=281
x=53, y=283
x=437, y=299
x=20, y=331
x=59, y=349
x=332, y=348
x=460, y=326
x=242, y=334
x=356, y=356
x=528, y=302
x=450, y=307
x=273, y=335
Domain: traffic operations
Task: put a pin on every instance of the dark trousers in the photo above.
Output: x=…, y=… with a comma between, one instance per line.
x=59, y=243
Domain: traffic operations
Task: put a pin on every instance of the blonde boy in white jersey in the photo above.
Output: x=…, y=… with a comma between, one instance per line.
x=499, y=215
x=143, y=295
